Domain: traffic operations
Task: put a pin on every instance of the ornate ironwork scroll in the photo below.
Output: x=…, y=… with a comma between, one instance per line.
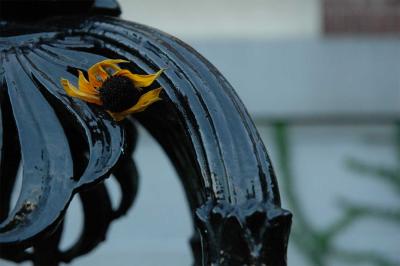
x=66, y=147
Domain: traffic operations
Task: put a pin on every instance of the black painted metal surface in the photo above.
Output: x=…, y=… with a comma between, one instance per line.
x=67, y=146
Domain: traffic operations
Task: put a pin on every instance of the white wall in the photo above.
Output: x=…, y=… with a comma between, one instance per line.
x=217, y=19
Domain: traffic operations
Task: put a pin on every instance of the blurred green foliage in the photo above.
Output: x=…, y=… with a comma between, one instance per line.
x=317, y=245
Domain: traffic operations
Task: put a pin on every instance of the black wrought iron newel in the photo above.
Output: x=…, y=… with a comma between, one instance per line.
x=66, y=144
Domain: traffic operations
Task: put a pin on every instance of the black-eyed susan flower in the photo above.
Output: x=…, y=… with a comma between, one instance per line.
x=117, y=90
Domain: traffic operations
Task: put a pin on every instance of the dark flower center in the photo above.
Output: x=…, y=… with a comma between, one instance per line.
x=118, y=94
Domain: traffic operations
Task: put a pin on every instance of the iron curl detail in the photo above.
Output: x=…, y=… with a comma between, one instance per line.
x=66, y=147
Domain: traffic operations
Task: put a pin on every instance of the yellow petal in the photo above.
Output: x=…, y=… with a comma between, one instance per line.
x=85, y=86
x=116, y=116
x=139, y=80
x=97, y=74
x=72, y=91
x=112, y=63
x=144, y=101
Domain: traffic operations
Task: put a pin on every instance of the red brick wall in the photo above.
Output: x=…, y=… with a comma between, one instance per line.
x=361, y=16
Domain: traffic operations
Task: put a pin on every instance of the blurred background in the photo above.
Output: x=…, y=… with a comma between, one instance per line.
x=321, y=78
